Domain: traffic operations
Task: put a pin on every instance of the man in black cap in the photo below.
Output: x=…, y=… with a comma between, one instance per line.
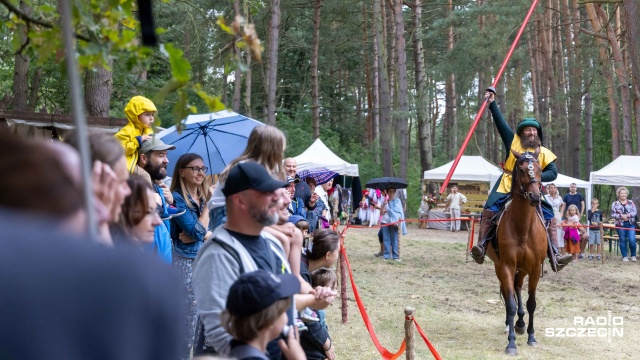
x=251, y=198
x=528, y=137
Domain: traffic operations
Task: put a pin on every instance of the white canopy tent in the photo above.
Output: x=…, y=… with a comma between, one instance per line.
x=470, y=168
x=623, y=171
x=319, y=155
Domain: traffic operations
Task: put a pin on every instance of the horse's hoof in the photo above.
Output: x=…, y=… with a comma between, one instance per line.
x=511, y=351
x=519, y=330
x=532, y=343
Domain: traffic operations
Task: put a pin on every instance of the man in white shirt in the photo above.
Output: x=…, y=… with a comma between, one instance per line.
x=454, y=202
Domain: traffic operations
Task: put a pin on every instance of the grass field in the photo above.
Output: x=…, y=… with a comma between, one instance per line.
x=455, y=302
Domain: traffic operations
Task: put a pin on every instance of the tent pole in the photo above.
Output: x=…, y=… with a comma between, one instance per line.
x=77, y=109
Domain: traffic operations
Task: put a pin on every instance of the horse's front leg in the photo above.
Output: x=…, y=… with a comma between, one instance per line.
x=531, y=304
x=510, y=307
x=517, y=284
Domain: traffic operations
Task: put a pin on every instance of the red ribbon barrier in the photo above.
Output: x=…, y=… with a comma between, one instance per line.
x=424, y=337
x=386, y=354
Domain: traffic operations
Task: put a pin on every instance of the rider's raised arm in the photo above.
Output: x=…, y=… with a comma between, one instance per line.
x=506, y=134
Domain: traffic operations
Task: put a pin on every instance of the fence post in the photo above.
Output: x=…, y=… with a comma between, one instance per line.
x=343, y=286
x=472, y=230
x=409, y=333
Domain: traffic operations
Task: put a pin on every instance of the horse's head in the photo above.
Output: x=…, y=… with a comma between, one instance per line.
x=526, y=176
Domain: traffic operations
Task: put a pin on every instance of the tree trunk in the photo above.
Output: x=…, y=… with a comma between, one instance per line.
x=274, y=38
x=385, y=115
x=247, y=87
x=574, y=92
x=368, y=127
x=376, y=93
x=450, y=95
x=623, y=81
x=402, y=110
x=424, y=130
x=315, y=107
x=98, y=85
x=21, y=69
x=35, y=89
x=237, y=75
x=588, y=132
x=390, y=36
x=632, y=14
x=612, y=93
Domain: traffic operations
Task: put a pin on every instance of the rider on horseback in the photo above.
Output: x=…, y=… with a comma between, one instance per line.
x=528, y=137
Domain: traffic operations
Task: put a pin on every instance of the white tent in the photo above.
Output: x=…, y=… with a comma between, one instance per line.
x=623, y=171
x=319, y=155
x=470, y=168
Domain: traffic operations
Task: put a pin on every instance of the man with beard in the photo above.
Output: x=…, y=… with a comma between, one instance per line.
x=153, y=159
x=528, y=137
x=252, y=199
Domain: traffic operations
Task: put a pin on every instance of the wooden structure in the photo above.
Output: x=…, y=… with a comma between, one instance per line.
x=35, y=124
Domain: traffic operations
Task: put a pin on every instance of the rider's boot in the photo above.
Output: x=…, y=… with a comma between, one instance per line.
x=478, y=251
x=557, y=260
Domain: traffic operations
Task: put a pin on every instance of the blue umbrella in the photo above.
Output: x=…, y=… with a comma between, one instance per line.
x=217, y=137
x=320, y=175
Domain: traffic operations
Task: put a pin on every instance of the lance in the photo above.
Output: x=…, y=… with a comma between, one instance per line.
x=485, y=102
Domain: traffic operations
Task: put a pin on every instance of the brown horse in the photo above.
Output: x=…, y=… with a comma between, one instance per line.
x=522, y=246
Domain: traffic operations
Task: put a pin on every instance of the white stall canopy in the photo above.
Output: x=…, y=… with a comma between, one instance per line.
x=470, y=168
x=318, y=155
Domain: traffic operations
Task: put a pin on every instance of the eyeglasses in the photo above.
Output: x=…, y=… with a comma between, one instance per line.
x=196, y=169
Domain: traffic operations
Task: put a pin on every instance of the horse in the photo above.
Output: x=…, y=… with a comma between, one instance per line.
x=522, y=246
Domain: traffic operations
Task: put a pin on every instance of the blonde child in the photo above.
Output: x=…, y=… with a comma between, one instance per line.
x=595, y=217
x=140, y=112
x=571, y=233
x=324, y=277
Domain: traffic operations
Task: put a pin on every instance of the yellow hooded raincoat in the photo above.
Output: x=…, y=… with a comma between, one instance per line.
x=129, y=133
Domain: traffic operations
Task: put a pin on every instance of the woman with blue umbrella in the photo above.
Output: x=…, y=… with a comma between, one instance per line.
x=191, y=229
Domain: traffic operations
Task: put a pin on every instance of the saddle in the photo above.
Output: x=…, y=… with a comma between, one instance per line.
x=492, y=233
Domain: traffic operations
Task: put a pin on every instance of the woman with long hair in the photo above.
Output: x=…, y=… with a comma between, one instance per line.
x=139, y=216
x=190, y=230
x=316, y=342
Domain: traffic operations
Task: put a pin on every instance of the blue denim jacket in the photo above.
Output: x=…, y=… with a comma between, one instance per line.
x=189, y=224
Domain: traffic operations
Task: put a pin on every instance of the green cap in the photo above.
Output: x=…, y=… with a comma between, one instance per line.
x=154, y=144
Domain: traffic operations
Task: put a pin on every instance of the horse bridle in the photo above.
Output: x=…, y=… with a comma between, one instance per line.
x=532, y=175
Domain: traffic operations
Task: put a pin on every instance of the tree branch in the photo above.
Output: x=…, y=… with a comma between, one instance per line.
x=31, y=20
x=591, y=33
x=581, y=2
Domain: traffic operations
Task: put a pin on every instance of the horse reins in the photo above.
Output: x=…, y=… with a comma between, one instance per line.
x=532, y=174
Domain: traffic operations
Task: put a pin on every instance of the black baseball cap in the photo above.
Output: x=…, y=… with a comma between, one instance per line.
x=257, y=290
x=250, y=176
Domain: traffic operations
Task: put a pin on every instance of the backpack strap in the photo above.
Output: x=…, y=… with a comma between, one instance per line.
x=233, y=252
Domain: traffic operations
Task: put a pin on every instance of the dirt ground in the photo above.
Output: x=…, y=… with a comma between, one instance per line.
x=458, y=303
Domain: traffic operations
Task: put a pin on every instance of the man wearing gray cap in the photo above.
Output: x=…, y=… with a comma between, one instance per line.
x=152, y=157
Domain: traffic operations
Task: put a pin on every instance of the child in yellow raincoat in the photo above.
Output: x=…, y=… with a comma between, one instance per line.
x=140, y=112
